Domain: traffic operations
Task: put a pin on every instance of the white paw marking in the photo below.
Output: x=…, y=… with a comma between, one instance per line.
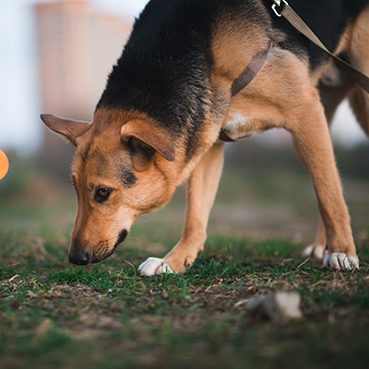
x=340, y=261
x=153, y=266
x=315, y=251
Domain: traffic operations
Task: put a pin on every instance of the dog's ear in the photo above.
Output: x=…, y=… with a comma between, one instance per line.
x=71, y=129
x=143, y=141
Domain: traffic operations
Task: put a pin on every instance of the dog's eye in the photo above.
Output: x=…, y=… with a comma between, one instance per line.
x=102, y=194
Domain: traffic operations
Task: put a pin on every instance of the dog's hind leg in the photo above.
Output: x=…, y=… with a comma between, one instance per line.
x=359, y=102
x=359, y=57
x=331, y=97
x=311, y=133
x=201, y=190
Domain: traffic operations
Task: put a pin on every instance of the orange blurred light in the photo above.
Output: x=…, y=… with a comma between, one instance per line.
x=4, y=165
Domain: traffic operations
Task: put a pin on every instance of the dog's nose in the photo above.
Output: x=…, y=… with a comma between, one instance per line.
x=79, y=258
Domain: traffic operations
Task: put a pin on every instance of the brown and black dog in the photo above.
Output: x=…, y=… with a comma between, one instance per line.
x=158, y=121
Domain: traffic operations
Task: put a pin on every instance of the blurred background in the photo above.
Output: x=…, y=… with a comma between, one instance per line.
x=55, y=57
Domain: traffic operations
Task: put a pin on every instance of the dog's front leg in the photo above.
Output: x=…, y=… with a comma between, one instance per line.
x=201, y=190
x=317, y=248
x=312, y=135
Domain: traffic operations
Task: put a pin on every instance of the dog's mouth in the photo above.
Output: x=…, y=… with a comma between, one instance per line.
x=95, y=258
x=98, y=258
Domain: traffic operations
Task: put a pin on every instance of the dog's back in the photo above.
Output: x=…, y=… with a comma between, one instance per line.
x=168, y=58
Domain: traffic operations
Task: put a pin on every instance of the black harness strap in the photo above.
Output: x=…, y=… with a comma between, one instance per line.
x=250, y=71
x=244, y=79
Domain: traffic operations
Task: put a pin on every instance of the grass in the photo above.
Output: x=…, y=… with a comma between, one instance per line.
x=107, y=316
x=53, y=314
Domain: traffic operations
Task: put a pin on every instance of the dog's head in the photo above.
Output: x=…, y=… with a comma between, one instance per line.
x=121, y=170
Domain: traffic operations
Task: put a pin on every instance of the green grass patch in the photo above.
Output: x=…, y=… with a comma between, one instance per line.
x=54, y=314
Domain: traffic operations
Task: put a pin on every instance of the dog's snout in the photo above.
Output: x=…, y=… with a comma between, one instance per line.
x=80, y=258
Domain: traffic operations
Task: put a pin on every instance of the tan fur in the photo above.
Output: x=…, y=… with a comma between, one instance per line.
x=283, y=95
x=201, y=191
x=286, y=108
x=359, y=52
x=227, y=41
x=337, y=88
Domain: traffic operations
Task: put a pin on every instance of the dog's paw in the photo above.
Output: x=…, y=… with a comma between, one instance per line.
x=313, y=251
x=340, y=261
x=153, y=266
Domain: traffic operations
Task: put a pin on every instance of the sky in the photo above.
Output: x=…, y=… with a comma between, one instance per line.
x=20, y=107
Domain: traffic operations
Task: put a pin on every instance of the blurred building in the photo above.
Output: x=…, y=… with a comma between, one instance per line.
x=78, y=45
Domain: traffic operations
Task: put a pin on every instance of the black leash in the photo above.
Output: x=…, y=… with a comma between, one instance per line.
x=282, y=9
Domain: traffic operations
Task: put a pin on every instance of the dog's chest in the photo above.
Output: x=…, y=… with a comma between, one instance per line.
x=237, y=126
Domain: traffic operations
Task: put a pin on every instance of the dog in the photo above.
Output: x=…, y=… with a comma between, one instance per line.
x=168, y=99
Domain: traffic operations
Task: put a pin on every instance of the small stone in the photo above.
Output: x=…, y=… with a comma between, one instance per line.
x=44, y=328
x=281, y=306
